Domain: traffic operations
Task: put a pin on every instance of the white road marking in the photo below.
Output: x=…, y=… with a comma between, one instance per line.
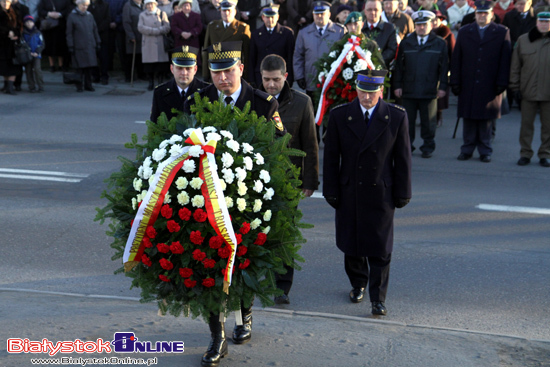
x=25, y=174
x=139, y=122
x=513, y=209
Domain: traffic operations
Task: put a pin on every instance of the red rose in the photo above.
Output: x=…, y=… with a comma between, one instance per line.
x=215, y=242
x=209, y=263
x=164, y=278
x=184, y=214
x=198, y=255
x=224, y=252
x=208, y=282
x=147, y=242
x=244, y=264
x=166, y=211
x=245, y=228
x=318, y=85
x=173, y=226
x=145, y=259
x=186, y=272
x=260, y=240
x=200, y=215
x=166, y=264
x=196, y=237
x=239, y=238
x=241, y=250
x=150, y=232
x=189, y=283
x=176, y=248
x=162, y=247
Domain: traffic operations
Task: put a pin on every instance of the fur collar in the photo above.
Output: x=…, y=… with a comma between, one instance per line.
x=534, y=34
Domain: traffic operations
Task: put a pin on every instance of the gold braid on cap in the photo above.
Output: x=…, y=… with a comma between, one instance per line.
x=184, y=55
x=224, y=55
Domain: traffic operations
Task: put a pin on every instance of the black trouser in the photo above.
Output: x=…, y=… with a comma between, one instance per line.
x=374, y=271
x=427, y=108
x=284, y=281
x=477, y=133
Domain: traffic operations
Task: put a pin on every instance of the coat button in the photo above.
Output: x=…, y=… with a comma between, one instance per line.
x=373, y=184
x=360, y=183
x=360, y=167
x=374, y=168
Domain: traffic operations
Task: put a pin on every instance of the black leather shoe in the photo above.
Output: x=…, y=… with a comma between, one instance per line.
x=218, y=345
x=524, y=161
x=243, y=333
x=464, y=157
x=485, y=158
x=357, y=294
x=379, y=309
x=544, y=162
x=89, y=89
x=426, y=154
x=282, y=300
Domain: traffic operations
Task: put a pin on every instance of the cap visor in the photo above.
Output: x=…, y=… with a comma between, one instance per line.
x=368, y=87
x=219, y=66
x=184, y=63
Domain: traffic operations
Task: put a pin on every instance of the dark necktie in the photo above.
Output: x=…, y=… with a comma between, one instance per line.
x=367, y=117
x=228, y=101
x=321, y=32
x=421, y=41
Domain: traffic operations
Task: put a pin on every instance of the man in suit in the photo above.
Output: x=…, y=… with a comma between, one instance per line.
x=480, y=70
x=271, y=38
x=173, y=93
x=366, y=175
x=402, y=21
x=225, y=30
x=420, y=78
x=382, y=32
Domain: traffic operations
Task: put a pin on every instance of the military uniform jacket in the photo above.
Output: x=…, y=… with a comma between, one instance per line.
x=421, y=70
x=366, y=168
x=478, y=66
x=260, y=102
x=167, y=96
x=386, y=37
x=280, y=42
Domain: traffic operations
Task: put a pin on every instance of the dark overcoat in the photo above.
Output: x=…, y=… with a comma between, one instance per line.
x=478, y=67
x=366, y=168
x=385, y=35
x=519, y=25
x=83, y=38
x=167, y=96
x=280, y=42
x=181, y=23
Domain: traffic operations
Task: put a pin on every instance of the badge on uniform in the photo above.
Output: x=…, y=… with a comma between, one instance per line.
x=277, y=120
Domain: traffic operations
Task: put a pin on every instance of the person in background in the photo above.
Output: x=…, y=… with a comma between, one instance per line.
x=54, y=38
x=33, y=69
x=352, y=4
x=402, y=21
x=11, y=24
x=502, y=7
x=383, y=33
x=354, y=24
x=342, y=13
x=300, y=14
x=210, y=12
x=130, y=18
x=117, y=36
x=456, y=13
x=102, y=16
x=520, y=20
x=249, y=11
x=444, y=32
x=186, y=27
x=166, y=6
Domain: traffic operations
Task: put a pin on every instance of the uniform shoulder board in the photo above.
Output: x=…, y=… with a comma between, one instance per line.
x=268, y=97
x=340, y=106
x=397, y=107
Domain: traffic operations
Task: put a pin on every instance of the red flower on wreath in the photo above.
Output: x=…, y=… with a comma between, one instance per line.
x=162, y=247
x=186, y=272
x=241, y=250
x=224, y=252
x=184, y=214
x=245, y=228
x=164, y=278
x=199, y=255
x=166, y=264
x=244, y=264
x=145, y=259
x=215, y=242
x=166, y=211
x=189, y=283
x=208, y=282
x=176, y=248
x=151, y=232
x=209, y=263
x=200, y=215
x=196, y=237
x=239, y=238
x=173, y=226
x=260, y=240
x=147, y=242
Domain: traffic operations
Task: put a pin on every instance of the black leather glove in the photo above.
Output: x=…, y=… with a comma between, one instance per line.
x=332, y=201
x=455, y=89
x=400, y=202
x=302, y=83
x=499, y=89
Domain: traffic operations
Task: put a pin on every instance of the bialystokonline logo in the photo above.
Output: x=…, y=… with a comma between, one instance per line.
x=124, y=342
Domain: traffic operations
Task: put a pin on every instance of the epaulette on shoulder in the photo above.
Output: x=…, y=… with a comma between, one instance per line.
x=268, y=97
x=397, y=107
x=340, y=106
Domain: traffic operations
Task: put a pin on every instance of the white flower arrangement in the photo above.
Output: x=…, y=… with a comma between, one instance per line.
x=197, y=201
x=137, y=184
x=258, y=186
x=248, y=163
x=183, y=198
x=255, y=223
x=176, y=150
x=213, y=136
x=226, y=134
x=241, y=188
x=264, y=176
x=188, y=166
x=241, y=204
x=227, y=160
x=269, y=193
x=229, y=202
x=267, y=215
x=240, y=173
x=257, y=206
x=181, y=183
x=175, y=139
x=158, y=154
x=233, y=145
x=259, y=159
x=347, y=73
x=167, y=198
x=194, y=151
x=247, y=148
x=228, y=175
x=196, y=183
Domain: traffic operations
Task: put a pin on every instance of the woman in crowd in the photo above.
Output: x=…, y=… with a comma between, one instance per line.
x=130, y=18
x=54, y=38
x=456, y=13
x=186, y=27
x=83, y=42
x=11, y=23
x=153, y=24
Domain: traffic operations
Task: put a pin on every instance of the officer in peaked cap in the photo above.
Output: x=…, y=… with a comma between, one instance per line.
x=422, y=16
x=172, y=94
x=484, y=6
x=320, y=7
x=366, y=143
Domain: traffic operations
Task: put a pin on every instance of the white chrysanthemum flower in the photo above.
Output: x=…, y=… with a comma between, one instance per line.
x=189, y=166
x=258, y=186
x=347, y=73
x=137, y=184
x=228, y=175
x=140, y=171
x=241, y=188
x=208, y=129
x=195, y=151
x=321, y=75
x=233, y=145
x=267, y=215
x=229, y=202
x=264, y=175
x=241, y=204
x=139, y=198
x=147, y=173
x=167, y=198
x=332, y=54
x=223, y=185
x=188, y=131
x=181, y=183
x=175, y=139
x=143, y=194
x=147, y=162
x=247, y=148
x=196, y=183
x=227, y=134
x=267, y=229
x=349, y=57
x=255, y=223
x=257, y=205
x=197, y=201
x=164, y=144
x=183, y=198
x=269, y=193
x=259, y=159
x=158, y=154
x=248, y=163
x=213, y=136
x=227, y=160
x=360, y=65
x=134, y=203
x=240, y=173
x=176, y=150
